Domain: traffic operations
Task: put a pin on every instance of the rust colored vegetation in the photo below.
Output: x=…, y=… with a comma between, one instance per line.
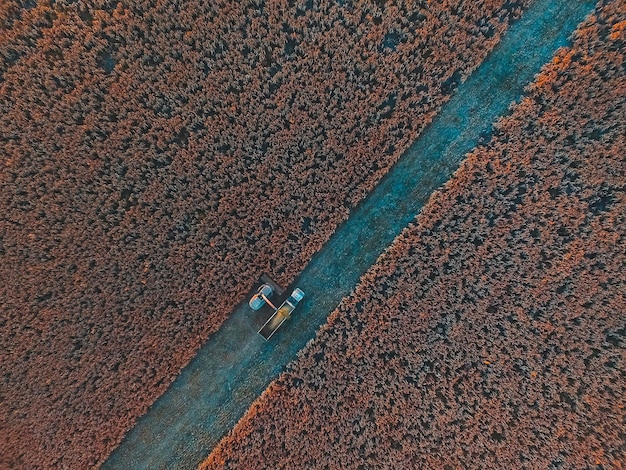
x=156, y=157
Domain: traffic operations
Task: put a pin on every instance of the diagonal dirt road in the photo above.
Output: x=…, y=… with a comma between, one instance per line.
x=236, y=364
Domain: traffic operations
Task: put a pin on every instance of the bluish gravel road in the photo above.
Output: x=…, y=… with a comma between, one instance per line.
x=234, y=367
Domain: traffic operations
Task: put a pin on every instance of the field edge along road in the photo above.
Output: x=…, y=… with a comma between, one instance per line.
x=234, y=367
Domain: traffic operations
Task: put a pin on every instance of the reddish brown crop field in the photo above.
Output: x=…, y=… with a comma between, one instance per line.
x=157, y=157
x=492, y=333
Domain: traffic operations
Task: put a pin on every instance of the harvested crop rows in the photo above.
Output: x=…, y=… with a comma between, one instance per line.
x=156, y=160
x=492, y=333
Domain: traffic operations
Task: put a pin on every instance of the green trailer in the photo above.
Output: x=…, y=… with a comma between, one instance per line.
x=281, y=314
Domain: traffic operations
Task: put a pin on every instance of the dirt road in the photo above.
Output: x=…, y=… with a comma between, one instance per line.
x=236, y=364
